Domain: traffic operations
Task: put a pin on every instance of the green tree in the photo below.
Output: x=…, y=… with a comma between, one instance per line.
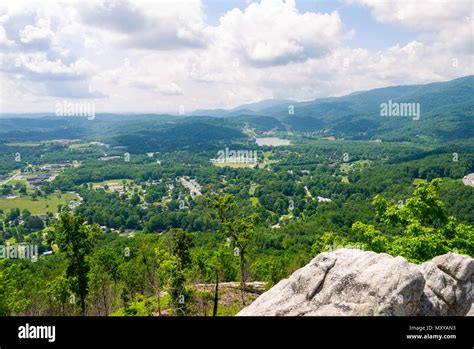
x=135, y=200
x=156, y=262
x=103, y=278
x=18, y=286
x=25, y=214
x=240, y=229
x=101, y=289
x=34, y=223
x=216, y=265
x=425, y=206
x=59, y=292
x=371, y=238
x=177, y=290
x=426, y=228
x=182, y=242
x=327, y=242
x=76, y=240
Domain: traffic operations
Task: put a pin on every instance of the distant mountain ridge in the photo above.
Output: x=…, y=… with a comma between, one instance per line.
x=250, y=108
x=446, y=114
x=447, y=111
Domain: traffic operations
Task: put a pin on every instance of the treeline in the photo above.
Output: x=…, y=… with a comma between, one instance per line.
x=95, y=272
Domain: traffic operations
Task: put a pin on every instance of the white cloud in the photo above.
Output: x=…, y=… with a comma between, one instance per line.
x=40, y=35
x=431, y=15
x=151, y=86
x=4, y=41
x=274, y=33
x=36, y=57
x=446, y=22
x=154, y=25
x=155, y=56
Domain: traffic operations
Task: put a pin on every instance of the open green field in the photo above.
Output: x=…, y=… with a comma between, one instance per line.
x=24, y=144
x=79, y=145
x=234, y=165
x=266, y=159
x=39, y=206
x=110, y=182
x=354, y=166
x=14, y=182
x=418, y=180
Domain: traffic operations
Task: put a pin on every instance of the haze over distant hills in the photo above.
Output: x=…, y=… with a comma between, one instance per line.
x=446, y=113
x=250, y=108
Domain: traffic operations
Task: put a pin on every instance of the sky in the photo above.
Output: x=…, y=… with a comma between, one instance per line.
x=163, y=56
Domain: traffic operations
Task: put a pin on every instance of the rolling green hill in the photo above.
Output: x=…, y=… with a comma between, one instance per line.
x=446, y=113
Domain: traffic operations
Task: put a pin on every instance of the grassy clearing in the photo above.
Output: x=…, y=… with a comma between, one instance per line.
x=355, y=166
x=39, y=206
x=236, y=165
x=266, y=160
x=14, y=182
x=79, y=145
x=110, y=182
x=24, y=144
x=418, y=180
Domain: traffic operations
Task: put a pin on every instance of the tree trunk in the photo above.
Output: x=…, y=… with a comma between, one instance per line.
x=159, y=301
x=104, y=299
x=216, y=296
x=242, y=276
x=83, y=304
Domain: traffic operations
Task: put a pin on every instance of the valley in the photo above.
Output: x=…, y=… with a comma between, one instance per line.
x=162, y=195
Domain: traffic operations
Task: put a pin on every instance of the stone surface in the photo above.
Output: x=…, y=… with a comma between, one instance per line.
x=458, y=266
x=471, y=312
x=353, y=282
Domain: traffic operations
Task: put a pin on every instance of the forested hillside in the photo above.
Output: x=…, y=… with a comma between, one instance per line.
x=149, y=214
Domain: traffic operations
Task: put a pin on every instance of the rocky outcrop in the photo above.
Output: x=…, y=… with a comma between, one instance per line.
x=353, y=282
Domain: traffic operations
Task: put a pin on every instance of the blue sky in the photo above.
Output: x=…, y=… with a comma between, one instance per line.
x=368, y=32
x=163, y=55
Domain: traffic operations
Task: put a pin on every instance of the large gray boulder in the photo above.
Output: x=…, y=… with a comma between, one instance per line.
x=353, y=282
